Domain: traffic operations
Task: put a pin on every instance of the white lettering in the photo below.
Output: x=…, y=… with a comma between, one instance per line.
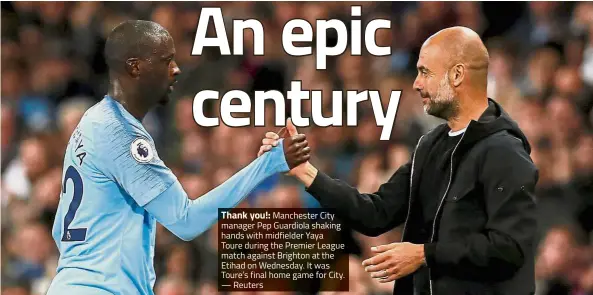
x=219, y=41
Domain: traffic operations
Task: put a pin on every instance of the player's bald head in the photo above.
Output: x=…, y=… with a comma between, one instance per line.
x=133, y=39
x=460, y=45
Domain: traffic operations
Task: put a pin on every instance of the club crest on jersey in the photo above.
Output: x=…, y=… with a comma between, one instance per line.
x=142, y=150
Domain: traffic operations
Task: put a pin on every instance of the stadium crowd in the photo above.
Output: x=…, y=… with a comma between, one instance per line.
x=541, y=71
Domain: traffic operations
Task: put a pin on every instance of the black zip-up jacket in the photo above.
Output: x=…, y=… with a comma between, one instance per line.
x=482, y=240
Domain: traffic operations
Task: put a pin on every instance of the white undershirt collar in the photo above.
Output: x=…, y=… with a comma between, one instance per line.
x=458, y=132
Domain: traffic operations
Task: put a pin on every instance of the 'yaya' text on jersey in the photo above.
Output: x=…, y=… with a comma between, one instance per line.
x=78, y=145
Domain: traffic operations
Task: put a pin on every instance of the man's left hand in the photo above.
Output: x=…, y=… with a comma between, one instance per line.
x=394, y=261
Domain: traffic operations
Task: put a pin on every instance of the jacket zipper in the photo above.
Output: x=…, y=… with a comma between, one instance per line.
x=410, y=193
x=441, y=204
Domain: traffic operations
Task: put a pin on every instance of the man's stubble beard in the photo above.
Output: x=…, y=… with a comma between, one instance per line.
x=444, y=105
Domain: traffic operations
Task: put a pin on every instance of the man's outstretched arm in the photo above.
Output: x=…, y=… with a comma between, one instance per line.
x=188, y=218
x=371, y=214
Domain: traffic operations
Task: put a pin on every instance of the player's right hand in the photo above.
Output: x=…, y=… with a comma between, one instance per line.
x=296, y=149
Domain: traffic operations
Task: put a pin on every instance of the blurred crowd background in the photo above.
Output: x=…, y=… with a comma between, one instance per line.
x=541, y=71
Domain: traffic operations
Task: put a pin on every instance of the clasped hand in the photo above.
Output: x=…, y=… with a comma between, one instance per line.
x=296, y=147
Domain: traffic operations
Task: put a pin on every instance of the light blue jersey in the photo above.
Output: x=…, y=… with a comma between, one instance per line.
x=114, y=190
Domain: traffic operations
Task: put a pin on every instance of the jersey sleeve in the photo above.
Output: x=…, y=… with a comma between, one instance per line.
x=188, y=218
x=129, y=158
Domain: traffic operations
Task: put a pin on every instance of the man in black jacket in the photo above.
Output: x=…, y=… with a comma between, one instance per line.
x=465, y=198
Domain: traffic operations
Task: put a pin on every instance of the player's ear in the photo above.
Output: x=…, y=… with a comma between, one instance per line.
x=133, y=67
x=458, y=73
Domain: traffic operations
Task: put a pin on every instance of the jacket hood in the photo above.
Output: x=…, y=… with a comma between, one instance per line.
x=493, y=120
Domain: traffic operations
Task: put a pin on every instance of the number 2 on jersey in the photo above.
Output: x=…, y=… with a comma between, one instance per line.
x=73, y=234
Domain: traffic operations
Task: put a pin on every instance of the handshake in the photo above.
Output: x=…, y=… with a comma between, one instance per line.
x=296, y=151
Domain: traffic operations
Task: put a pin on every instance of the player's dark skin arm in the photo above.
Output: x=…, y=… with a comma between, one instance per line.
x=296, y=147
x=296, y=150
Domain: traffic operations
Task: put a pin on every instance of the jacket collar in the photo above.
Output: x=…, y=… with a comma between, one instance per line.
x=493, y=120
